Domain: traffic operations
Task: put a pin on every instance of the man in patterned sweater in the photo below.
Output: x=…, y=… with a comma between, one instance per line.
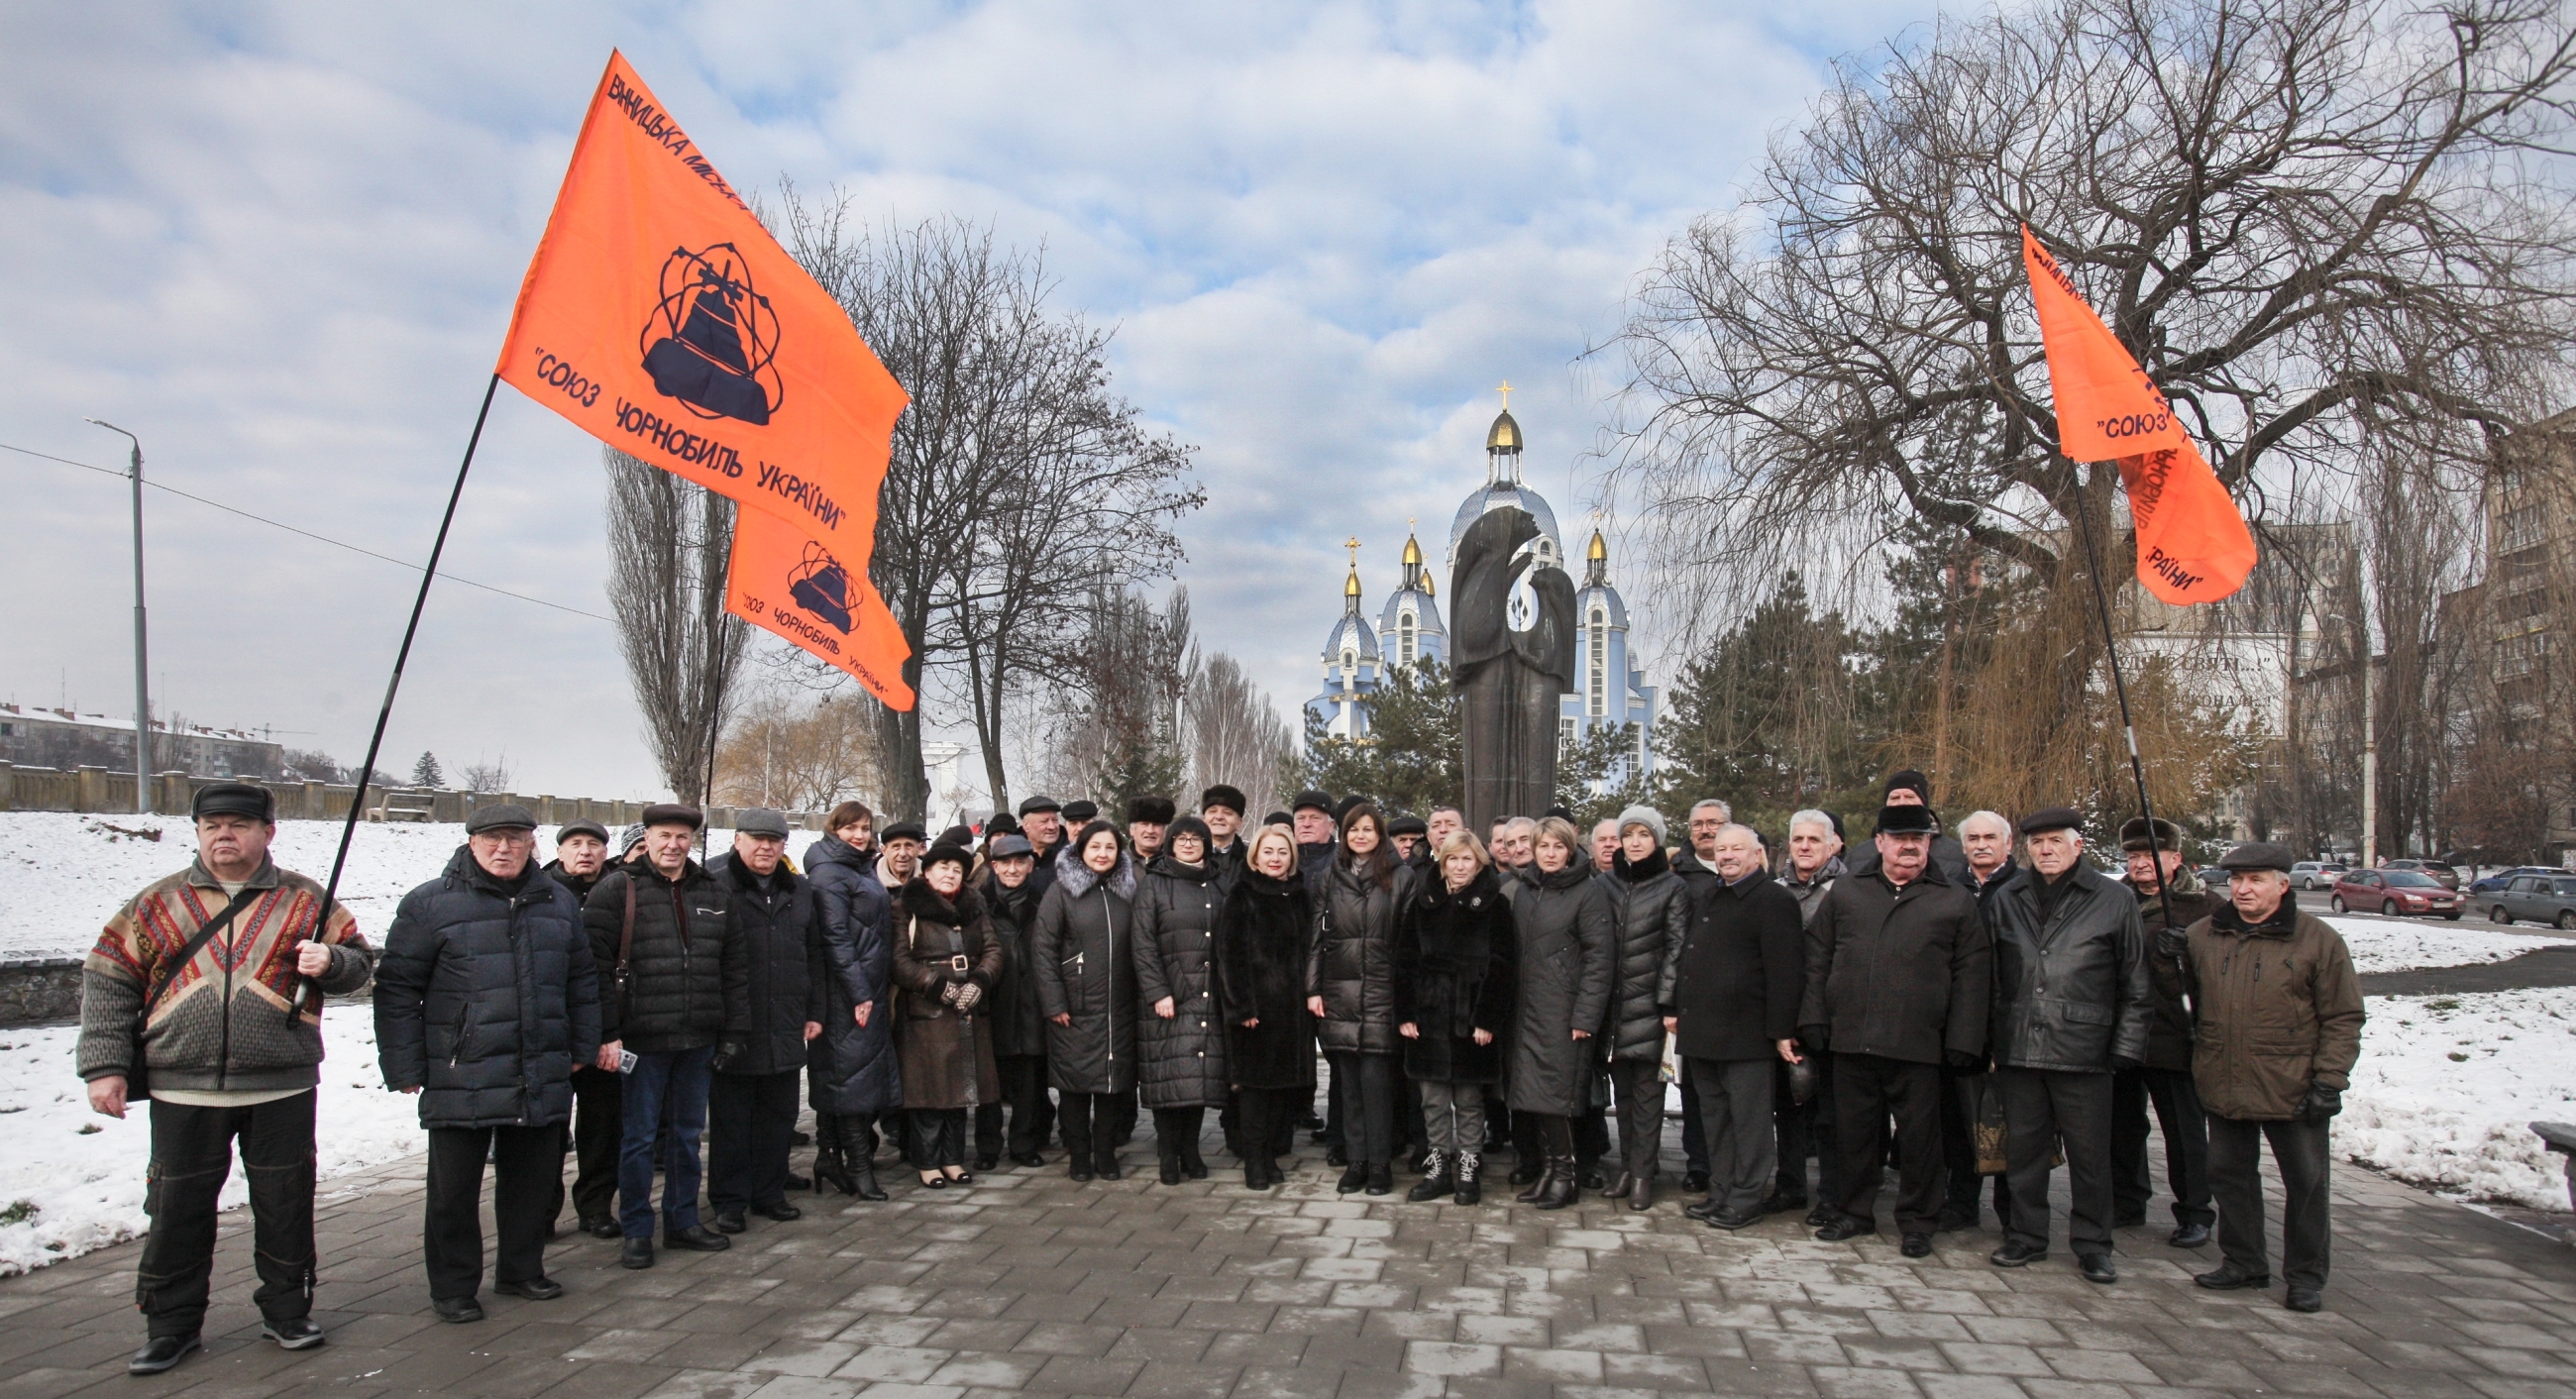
x=191, y=987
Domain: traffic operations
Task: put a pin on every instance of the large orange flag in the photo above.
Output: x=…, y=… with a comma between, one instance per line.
x=661, y=318
x=783, y=582
x=2193, y=545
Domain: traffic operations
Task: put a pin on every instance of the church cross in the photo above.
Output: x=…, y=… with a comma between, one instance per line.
x=1353, y=544
x=1507, y=395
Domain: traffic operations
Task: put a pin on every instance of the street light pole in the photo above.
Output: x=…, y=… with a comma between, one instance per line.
x=142, y=694
x=2369, y=764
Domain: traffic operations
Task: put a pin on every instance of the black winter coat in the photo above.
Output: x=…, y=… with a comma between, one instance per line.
x=1735, y=977
x=1261, y=935
x=1568, y=960
x=1352, y=960
x=775, y=969
x=2070, y=987
x=851, y=1067
x=485, y=999
x=674, y=994
x=1180, y=1062
x=1457, y=968
x=2169, y=1028
x=1898, y=973
x=1948, y=856
x=947, y=1057
x=1084, y=955
x=1650, y=907
x=580, y=887
x=1018, y=1027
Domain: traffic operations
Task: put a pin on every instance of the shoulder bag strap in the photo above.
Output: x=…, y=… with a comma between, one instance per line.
x=160, y=985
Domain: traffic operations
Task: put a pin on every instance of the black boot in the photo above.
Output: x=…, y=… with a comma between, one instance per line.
x=1191, y=1164
x=1561, y=1188
x=1470, y=1189
x=1542, y=1182
x=1435, y=1179
x=1527, y=1167
x=858, y=1161
x=830, y=1169
x=1167, y=1155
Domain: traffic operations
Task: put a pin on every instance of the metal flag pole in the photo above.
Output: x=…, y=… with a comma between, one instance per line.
x=376, y=741
x=2128, y=727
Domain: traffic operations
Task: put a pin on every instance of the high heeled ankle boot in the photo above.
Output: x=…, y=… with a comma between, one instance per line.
x=1561, y=1187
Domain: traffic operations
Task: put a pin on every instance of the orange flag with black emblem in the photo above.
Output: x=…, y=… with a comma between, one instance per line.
x=793, y=586
x=2193, y=545
x=661, y=318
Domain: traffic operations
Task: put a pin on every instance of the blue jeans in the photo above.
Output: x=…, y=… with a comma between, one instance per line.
x=681, y=1078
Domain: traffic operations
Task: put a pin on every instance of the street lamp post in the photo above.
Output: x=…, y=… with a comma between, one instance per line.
x=142, y=695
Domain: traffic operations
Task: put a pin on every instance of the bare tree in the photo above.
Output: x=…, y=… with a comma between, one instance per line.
x=799, y=752
x=1117, y=730
x=493, y=776
x=1234, y=735
x=668, y=541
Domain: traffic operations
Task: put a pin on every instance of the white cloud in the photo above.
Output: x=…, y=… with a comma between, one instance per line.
x=280, y=243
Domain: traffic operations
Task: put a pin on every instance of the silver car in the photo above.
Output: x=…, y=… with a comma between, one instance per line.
x=2314, y=874
x=2542, y=898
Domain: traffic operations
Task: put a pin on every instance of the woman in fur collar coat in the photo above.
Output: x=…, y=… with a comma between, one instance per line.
x=1261, y=942
x=1456, y=968
x=946, y=960
x=1083, y=951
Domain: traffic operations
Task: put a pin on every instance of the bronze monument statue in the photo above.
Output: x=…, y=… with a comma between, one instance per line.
x=1512, y=651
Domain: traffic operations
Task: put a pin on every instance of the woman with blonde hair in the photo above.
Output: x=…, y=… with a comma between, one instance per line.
x=1456, y=972
x=1568, y=953
x=1261, y=935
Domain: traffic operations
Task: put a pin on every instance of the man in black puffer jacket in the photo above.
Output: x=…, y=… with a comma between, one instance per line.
x=581, y=857
x=774, y=976
x=658, y=928
x=484, y=1001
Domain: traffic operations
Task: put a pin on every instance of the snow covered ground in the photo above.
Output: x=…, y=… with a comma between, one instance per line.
x=2448, y=1085
x=2386, y=945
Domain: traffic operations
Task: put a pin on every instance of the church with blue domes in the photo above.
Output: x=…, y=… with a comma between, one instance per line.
x=1612, y=690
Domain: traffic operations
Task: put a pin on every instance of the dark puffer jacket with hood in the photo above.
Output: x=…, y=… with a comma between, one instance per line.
x=1650, y=907
x=1083, y=951
x=851, y=1067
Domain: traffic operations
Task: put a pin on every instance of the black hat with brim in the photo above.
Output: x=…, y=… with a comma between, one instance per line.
x=674, y=814
x=1320, y=801
x=234, y=799
x=500, y=816
x=1041, y=802
x=904, y=830
x=1908, y=821
x=2051, y=818
x=1408, y=826
x=1081, y=812
x=1231, y=798
x=946, y=854
x=583, y=827
x=2258, y=855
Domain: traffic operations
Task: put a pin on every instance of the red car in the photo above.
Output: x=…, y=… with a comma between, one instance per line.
x=2394, y=892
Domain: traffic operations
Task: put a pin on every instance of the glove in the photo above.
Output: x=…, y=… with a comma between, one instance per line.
x=1813, y=1037
x=969, y=995
x=2170, y=943
x=2321, y=1103
x=2122, y=1063
x=1962, y=1061
x=725, y=1054
x=948, y=993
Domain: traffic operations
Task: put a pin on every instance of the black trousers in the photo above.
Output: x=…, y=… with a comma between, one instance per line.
x=598, y=1126
x=1553, y=1134
x=939, y=1136
x=1024, y=1092
x=1868, y=1090
x=1694, y=1130
x=1364, y=1085
x=1591, y=1128
x=751, y=1121
x=2186, y=1131
x=1639, y=1088
x=192, y=1155
x=1176, y=1131
x=1268, y=1117
x=526, y=1163
x=1090, y=1122
x=2236, y=1182
x=1806, y=1130
x=1337, y=1125
x=2044, y=1109
x=1736, y=1106
x=1410, y=1136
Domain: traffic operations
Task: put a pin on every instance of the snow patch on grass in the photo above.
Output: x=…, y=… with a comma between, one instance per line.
x=2448, y=1086
x=2379, y=945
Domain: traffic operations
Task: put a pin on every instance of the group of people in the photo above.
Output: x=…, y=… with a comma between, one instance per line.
x=1056, y=975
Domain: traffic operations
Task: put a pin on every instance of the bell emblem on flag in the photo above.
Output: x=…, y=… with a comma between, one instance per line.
x=718, y=336
x=821, y=586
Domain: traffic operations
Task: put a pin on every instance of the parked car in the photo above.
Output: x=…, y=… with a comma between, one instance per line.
x=2544, y=897
x=2212, y=876
x=2393, y=892
x=2309, y=875
x=2435, y=870
x=2495, y=882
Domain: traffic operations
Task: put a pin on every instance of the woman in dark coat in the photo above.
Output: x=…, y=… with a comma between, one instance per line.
x=1351, y=990
x=1180, y=1042
x=1085, y=962
x=850, y=1067
x=945, y=962
x=1456, y=971
x=1568, y=956
x=1009, y=888
x=1262, y=932
x=1650, y=909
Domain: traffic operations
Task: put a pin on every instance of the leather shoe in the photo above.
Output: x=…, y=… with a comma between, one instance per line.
x=1821, y=1215
x=1916, y=1246
x=456, y=1309
x=2016, y=1255
x=797, y=1182
x=2130, y=1221
x=2096, y=1267
x=2189, y=1236
x=1029, y=1159
x=1731, y=1220
x=1703, y=1210
x=1592, y=1179
x=2304, y=1299
x=697, y=1238
x=1336, y=1156
x=1107, y=1168
x=1844, y=1227
x=1782, y=1202
x=536, y=1289
x=730, y=1222
x=1353, y=1177
x=1619, y=1188
x=294, y=1333
x=988, y=1163
x=1953, y=1219
x=1381, y=1180
x=782, y=1211
x=2227, y=1278
x=1641, y=1193
x=162, y=1352
x=1696, y=1183
x=602, y=1228
x=638, y=1253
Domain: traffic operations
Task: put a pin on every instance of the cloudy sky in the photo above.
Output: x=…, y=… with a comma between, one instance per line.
x=279, y=242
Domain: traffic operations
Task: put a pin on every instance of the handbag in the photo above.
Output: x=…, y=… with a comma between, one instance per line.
x=138, y=1082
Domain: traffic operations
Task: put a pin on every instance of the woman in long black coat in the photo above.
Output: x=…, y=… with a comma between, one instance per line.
x=1568, y=957
x=850, y=1067
x=1085, y=963
x=1180, y=1042
x=1011, y=891
x=1351, y=990
x=1456, y=971
x=1261, y=937
x=946, y=960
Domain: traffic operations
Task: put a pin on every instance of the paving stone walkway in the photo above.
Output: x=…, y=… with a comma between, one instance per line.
x=1027, y=1283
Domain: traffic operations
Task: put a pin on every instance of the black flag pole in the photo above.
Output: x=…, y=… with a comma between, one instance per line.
x=2128, y=726
x=376, y=741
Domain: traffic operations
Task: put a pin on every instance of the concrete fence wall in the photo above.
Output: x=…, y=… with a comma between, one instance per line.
x=106, y=791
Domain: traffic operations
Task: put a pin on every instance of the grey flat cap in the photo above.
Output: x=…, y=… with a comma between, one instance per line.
x=500, y=816
x=759, y=821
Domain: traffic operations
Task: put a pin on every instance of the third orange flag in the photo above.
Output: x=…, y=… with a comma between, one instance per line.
x=2193, y=545
x=795, y=587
